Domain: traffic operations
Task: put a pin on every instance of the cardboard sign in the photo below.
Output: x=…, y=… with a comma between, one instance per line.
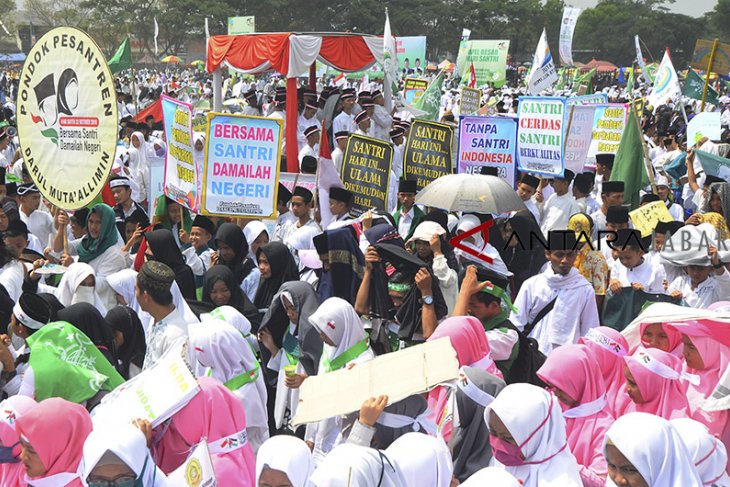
x=413, y=89
x=398, y=375
x=701, y=56
x=200, y=123
x=242, y=156
x=578, y=139
x=366, y=172
x=608, y=126
x=646, y=217
x=155, y=394
x=196, y=471
x=428, y=152
x=487, y=141
x=67, y=117
x=470, y=101
x=541, y=134
x=705, y=124
x=181, y=173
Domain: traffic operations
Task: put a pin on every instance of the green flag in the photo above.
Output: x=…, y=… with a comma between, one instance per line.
x=584, y=79
x=629, y=164
x=694, y=85
x=714, y=165
x=430, y=101
x=122, y=59
x=562, y=79
x=630, y=82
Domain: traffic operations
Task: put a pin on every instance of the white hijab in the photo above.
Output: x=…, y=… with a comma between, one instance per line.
x=286, y=454
x=357, y=466
x=337, y=319
x=236, y=319
x=68, y=291
x=533, y=416
x=655, y=450
x=707, y=452
x=423, y=461
x=126, y=442
x=137, y=156
x=251, y=231
x=491, y=476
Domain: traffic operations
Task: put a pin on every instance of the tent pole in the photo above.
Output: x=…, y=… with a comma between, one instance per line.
x=217, y=90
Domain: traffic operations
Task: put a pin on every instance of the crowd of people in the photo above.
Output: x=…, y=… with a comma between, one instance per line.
x=549, y=392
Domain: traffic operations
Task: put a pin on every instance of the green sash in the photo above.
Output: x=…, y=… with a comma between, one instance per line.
x=348, y=355
x=243, y=379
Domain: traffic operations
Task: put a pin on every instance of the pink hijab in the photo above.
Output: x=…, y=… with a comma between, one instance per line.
x=56, y=429
x=674, y=337
x=13, y=474
x=658, y=376
x=608, y=347
x=572, y=369
x=472, y=350
x=216, y=414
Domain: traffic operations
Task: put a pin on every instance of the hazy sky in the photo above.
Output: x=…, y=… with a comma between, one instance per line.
x=694, y=8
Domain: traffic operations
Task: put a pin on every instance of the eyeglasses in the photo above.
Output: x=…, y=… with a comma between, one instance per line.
x=123, y=481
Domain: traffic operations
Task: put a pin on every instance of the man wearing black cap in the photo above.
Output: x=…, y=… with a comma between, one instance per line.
x=631, y=268
x=338, y=155
x=252, y=108
x=526, y=188
x=301, y=208
x=557, y=306
x=559, y=207
x=362, y=120
x=612, y=194
x=198, y=255
x=285, y=216
x=340, y=202
x=344, y=122
x=407, y=216
x=307, y=119
x=311, y=148
x=604, y=166
x=381, y=119
x=126, y=206
x=39, y=222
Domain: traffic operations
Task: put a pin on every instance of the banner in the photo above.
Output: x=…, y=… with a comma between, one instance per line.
x=578, y=139
x=608, y=125
x=705, y=124
x=157, y=182
x=587, y=99
x=366, y=172
x=487, y=141
x=567, y=27
x=241, y=25
x=67, y=117
x=701, y=57
x=694, y=87
x=181, y=173
x=428, y=152
x=241, y=165
x=666, y=83
x=540, y=135
x=413, y=89
x=543, y=74
x=489, y=58
x=470, y=101
x=292, y=179
x=411, y=53
x=196, y=471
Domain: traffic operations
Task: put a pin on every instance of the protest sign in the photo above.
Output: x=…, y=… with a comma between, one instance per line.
x=567, y=27
x=470, y=101
x=579, y=136
x=200, y=123
x=366, y=172
x=701, y=57
x=398, y=375
x=540, y=135
x=587, y=99
x=411, y=52
x=608, y=125
x=705, y=124
x=155, y=394
x=157, y=182
x=181, y=172
x=292, y=179
x=241, y=25
x=427, y=154
x=241, y=165
x=489, y=58
x=196, y=471
x=67, y=117
x=413, y=88
x=646, y=217
x=487, y=141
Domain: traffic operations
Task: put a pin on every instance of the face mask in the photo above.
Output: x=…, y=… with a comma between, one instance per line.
x=17, y=342
x=506, y=453
x=6, y=454
x=83, y=294
x=160, y=152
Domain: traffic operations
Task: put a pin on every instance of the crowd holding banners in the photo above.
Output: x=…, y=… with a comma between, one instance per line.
x=545, y=393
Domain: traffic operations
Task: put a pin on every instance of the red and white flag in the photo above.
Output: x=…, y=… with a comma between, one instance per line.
x=340, y=80
x=472, y=76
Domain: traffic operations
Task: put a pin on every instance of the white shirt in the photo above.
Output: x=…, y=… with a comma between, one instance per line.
x=647, y=274
x=198, y=262
x=307, y=150
x=381, y=123
x=281, y=223
x=530, y=204
x=713, y=289
x=676, y=211
x=404, y=223
x=338, y=157
x=303, y=124
x=163, y=335
x=40, y=224
x=344, y=123
x=557, y=212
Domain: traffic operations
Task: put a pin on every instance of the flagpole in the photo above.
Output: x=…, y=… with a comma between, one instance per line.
x=707, y=74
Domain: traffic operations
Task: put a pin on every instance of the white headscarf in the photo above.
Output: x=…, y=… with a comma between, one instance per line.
x=423, y=461
x=137, y=157
x=337, y=319
x=129, y=445
x=491, y=476
x=707, y=452
x=236, y=319
x=357, y=466
x=68, y=291
x=533, y=417
x=251, y=231
x=286, y=454
x=425, y=230
x=654, y=448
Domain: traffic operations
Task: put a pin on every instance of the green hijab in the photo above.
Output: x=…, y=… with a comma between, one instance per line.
x=161, y=211
x=91, y=248
x=66, y=364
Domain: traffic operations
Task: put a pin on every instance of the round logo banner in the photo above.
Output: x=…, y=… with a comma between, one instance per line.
x=67, y=117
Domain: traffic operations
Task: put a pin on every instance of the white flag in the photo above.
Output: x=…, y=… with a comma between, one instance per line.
x=567, y=27
x=390, y=64
x=543, y=74
x=157, y=32
x=666, y=83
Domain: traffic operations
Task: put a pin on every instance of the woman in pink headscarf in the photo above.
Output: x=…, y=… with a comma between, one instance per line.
x=52, y=436
x=707, y=355
x=12, y=474
x=577, y=382
x=608, y=347
x=472, y=350
x=654, y=384
x=217, y=415
x=661, y=336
